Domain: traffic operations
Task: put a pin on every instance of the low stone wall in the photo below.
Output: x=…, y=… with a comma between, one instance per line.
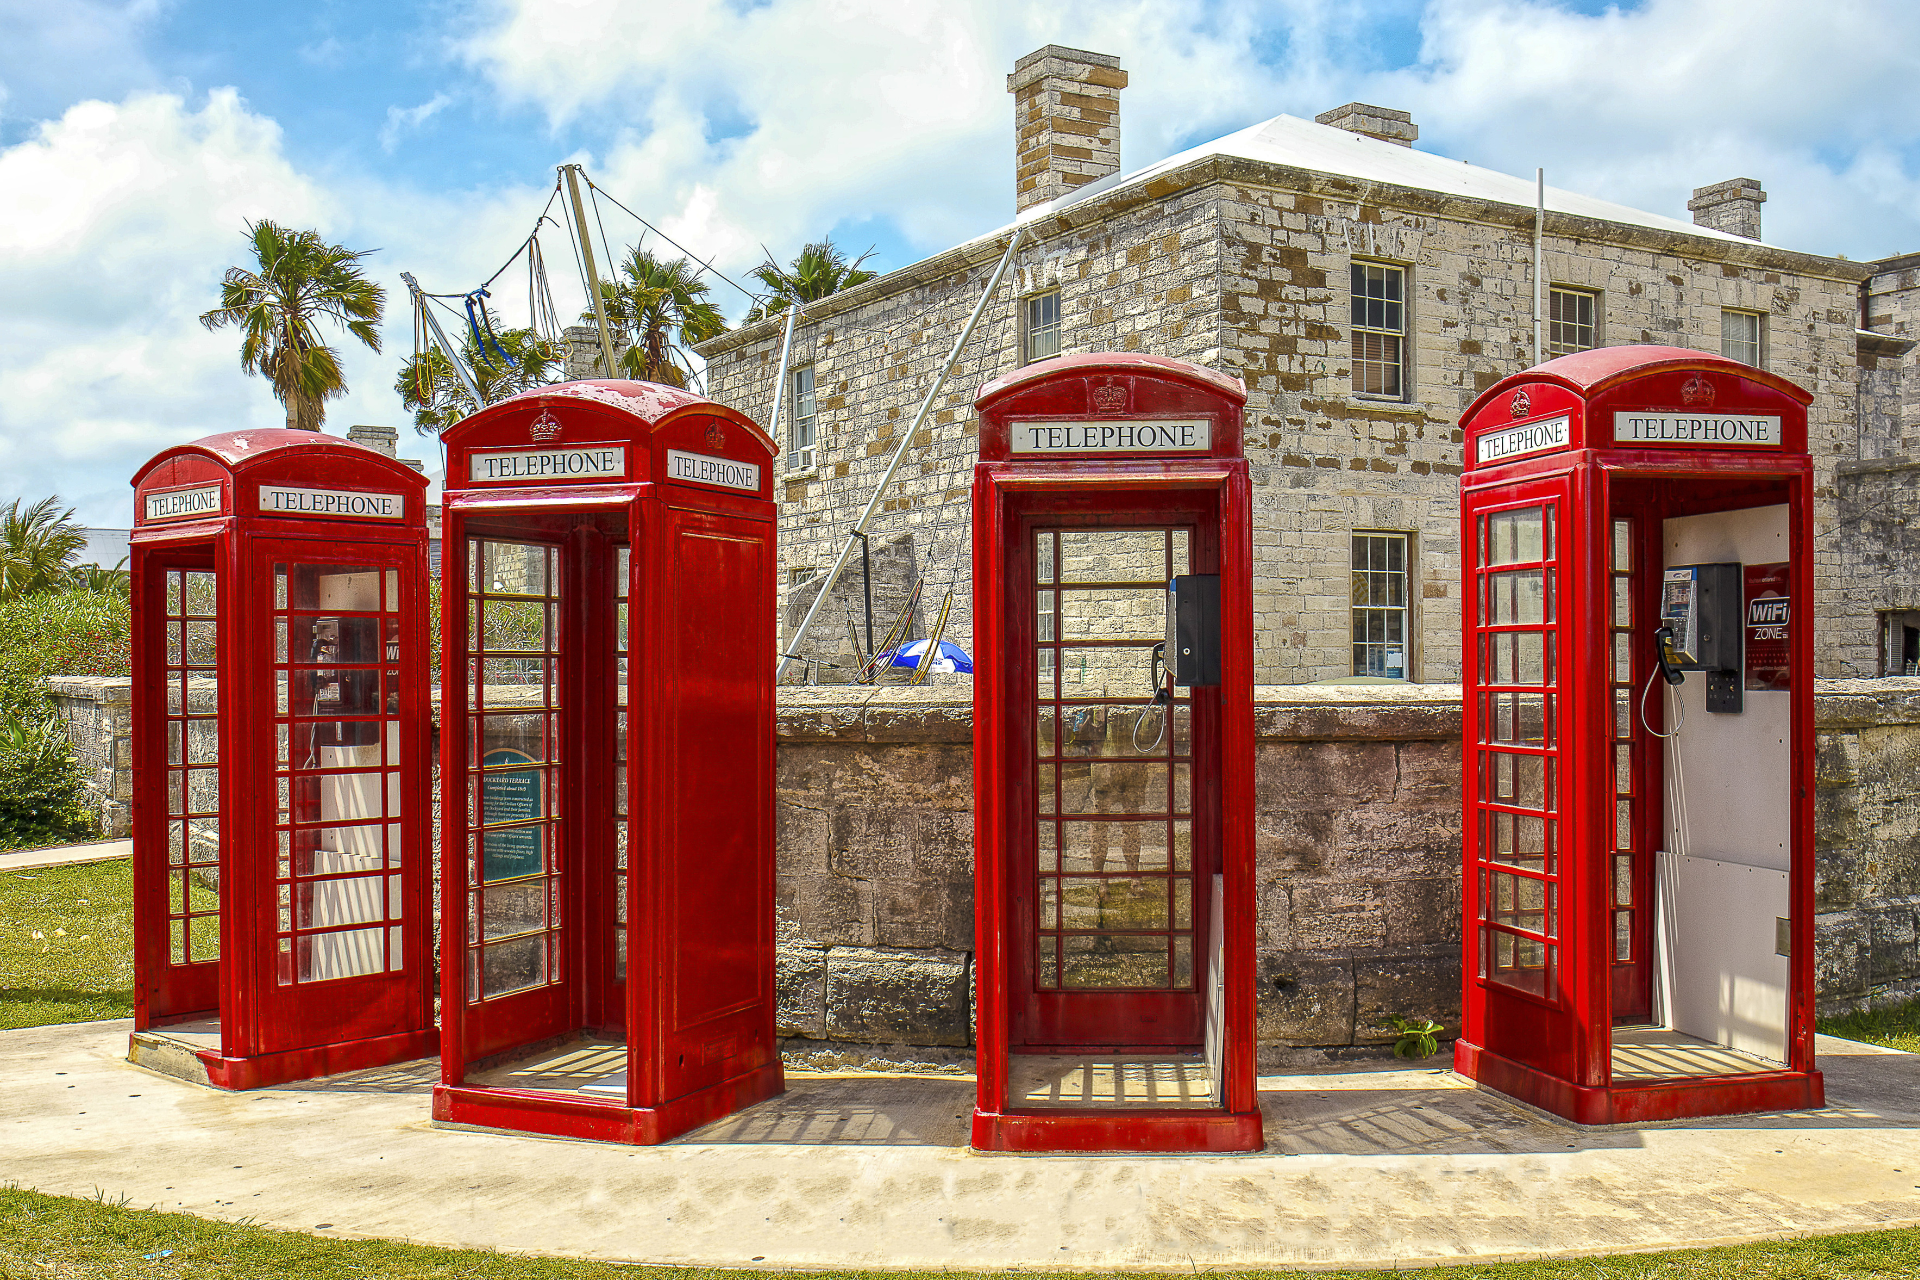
x=1357, y=846
x=98, y=713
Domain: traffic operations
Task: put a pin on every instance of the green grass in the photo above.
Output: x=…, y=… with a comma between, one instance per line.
x=80, y=968
x=43, y=1235
x=1897, y=1026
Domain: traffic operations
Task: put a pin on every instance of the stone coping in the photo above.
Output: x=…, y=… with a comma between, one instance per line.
x=1309, y=712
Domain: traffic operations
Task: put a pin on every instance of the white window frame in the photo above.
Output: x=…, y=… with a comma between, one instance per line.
x=1567, y=336
x=1375, y=618
x=1757, y=345
x=1383, y=319
x=1039, y=333
x=802, y=418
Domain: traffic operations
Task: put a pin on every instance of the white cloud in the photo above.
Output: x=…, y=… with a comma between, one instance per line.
x=117, y=221
x=405, y=120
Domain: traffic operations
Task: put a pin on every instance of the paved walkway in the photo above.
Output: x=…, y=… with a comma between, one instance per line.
x=1362, y=1168
x=67, y=855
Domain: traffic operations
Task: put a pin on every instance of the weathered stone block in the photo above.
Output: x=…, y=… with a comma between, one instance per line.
x=1422, y=983
x=925, y=914
x=1842, y=965
x=880, y=996
x=800, y=992
x=1329, y=916
x=1304, y=998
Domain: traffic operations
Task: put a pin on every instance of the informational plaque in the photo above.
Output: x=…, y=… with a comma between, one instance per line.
x=511, y=795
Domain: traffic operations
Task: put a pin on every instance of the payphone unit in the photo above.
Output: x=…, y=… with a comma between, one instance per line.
x=1638, y=842
x=1113, y=758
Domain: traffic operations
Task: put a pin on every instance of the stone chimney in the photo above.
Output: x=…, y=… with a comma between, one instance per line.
x=383, y=440
x=379, y=439
x=1732, y=206
x=1066, y=122
x=1396, y=127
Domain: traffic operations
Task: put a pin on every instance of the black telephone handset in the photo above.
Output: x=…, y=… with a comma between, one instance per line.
x=1159, y=674
x=1663, y=641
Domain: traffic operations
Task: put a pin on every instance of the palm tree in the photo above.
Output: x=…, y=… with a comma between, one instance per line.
x=660, y=308
x=301, y=279
x=37, y=547
x=430, y=388
x=820, y=271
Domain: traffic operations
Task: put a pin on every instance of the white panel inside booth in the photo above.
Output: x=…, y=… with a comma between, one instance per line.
x=1217, y=986
x=1722, y=883
x=1720, y=977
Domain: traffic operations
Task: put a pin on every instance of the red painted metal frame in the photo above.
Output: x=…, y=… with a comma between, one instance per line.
x=272, y=1033
x=1008, y=494
x=1556, y=1052
x=697, y=1008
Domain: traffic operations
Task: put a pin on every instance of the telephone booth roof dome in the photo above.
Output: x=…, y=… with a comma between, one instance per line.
x=1589, y=374
x=241, y=451
x=1112, y=362
x=651, y=402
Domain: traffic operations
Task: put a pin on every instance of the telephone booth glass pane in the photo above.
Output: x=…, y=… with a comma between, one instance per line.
x=193, y=777
x=1113, y=822
x=338, y=655
x=513, y=767
x=1519, y=749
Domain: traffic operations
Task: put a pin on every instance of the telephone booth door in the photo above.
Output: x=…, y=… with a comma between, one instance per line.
x=1113, y=760
x=282, y=759
x=1636, y=523
x=607, y=764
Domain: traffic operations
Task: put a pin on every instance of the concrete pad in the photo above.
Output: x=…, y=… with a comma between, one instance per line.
x=1363, y=1167
x=67, y=855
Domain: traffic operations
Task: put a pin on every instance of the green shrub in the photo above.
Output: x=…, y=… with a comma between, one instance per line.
x=42, y=796
x=77, y=632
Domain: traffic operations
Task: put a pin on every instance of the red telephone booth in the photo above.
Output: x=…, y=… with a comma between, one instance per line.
x=1113, y=760
x=607, y=764
x=1637, y=585
x=282, y=760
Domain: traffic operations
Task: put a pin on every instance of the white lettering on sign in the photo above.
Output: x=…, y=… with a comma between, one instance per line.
x=1767, y=618
x=595, y=462
x=1528, y=437
x=1186, y=435
x=183, y=504
x=701, y=469
x=1741, y=430
x=332, y=502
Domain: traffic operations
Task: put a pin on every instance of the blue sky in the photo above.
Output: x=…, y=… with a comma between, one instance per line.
x=137, y=136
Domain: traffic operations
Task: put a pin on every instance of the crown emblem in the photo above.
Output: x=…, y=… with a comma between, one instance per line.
x=1521, y=405
x=1109, y=397
x=544, y=428
x=716, y=435
x=1696, y=390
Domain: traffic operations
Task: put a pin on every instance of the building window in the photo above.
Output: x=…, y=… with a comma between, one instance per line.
x=800, y=450
x=1741, y=336
x=1043, y=326
x=1380, y=605
x=1570, y=322
x=1379, y=330
x=1900, y=643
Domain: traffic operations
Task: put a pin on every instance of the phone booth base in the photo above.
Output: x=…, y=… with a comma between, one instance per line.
x=189, y=1052
x=282, y=760
x=1113, y=760
x=609, y=573
x=1638, y=765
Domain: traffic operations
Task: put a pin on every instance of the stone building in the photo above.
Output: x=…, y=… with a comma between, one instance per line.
x=1364, y=290
x=1878, y=490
